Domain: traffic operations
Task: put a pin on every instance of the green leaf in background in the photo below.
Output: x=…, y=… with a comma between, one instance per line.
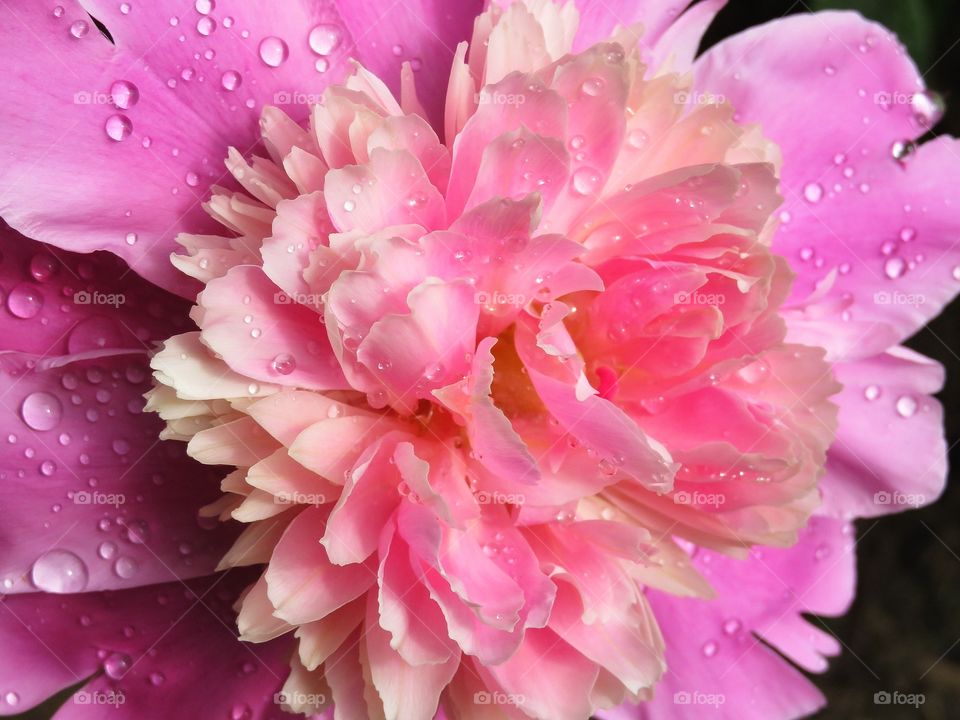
x=911, y=20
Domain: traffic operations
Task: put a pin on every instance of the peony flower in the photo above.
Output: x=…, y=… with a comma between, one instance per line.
x=542, y=365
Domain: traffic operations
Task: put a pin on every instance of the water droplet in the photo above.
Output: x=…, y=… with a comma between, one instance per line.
x=125, y=567
x=157, y=678
x=124, y=94
x=813, y=192
x=59, y=571
x=709, y=649
x=24, y=301
x=284, y=363
x=871, y=392
x=273, y=51
x=42, y=267
x=79, y=29
x=118, y=127
x=906, y=406
x=206, y=25
x=205, y=7
x=593, y=86
x=107, y=550
x=894, y=267
x=231, y=80
x=928, y=107
x=125, y=8
x=324, y=39
x=907, y=234
x=41, y=411
x=732, y=626
x=322, y=65
x=116, y=665
x=11, y=698
x=586, y=181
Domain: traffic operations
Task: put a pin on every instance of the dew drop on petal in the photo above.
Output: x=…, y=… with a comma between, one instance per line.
x=906, y=406
x=125, y=567
x=118, y=127
x=894, y=267
x=324, y=39
x=124, y=94
x=116, y=665
x=206, y=25
x=586, y=181
x=59, y=571
x=273, y=51
x=24, y=301
x=284, y=363
x=871, y=392
x=231, y=80
x=928, y=106
x=813, y=192
x=79, y=29
x=41, y=411
x=204, y=7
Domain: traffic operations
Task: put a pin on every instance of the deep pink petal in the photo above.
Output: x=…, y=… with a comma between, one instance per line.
x=840, y=170
x=93, y=500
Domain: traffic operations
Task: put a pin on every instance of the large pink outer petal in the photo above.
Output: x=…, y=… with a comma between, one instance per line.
x=834, y=92
x=58, y=302
x=82, y=468
x=83, y=472
x=890, y=454
x=177, y=642
x=711, y=651
x=64, y=181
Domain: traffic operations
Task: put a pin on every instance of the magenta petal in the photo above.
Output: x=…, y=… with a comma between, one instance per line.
x=92, y=500
x=599, y=18
x=841, y=171
x=169, y=650
x=890, y=453
x=711, y=651
x=131, y=136
x=59, y=303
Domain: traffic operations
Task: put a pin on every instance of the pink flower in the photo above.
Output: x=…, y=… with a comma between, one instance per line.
x=549, y=364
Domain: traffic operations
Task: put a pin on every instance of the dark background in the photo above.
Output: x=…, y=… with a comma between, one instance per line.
x=906, y=618
x=903, y=631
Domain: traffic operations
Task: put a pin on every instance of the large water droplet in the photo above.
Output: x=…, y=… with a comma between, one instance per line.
x=813, y=192
x=231, y=80
x=59, y=571
x=894, y=267
x=79, y=29
x=273, y=51
x=906, y=406
x=205, y=7
x=116, y=665
x=24, y=301
x=284, y=363
x=324, y=39
x=41, y=411
x=929, y=107
x=118, y=127
x=125, y=567
x=124, y=94
x=206, y=25
x=586, y=181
